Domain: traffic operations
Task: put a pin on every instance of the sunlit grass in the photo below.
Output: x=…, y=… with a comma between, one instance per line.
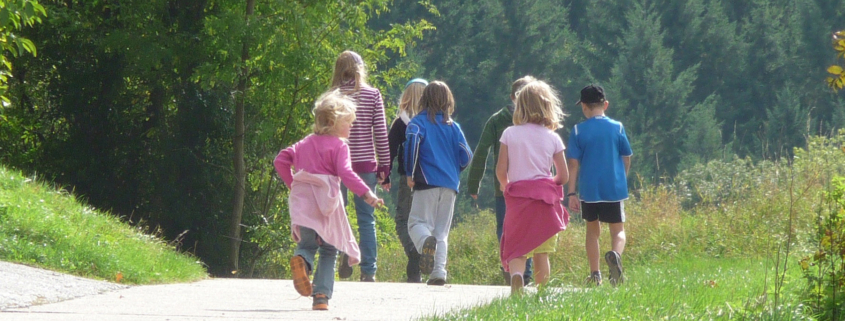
x=693, y=288
x=48, y=228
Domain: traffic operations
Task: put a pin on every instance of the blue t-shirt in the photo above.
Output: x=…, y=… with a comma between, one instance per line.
x=599, y=143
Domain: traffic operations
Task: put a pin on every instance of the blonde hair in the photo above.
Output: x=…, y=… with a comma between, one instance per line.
x=331, y=109
x=410, y=100
x=436, y=98
x=519, y=83
x=349, y=66
x=538, y=103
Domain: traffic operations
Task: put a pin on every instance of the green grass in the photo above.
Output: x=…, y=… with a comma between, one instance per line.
x=45, y=227
x=691, y=288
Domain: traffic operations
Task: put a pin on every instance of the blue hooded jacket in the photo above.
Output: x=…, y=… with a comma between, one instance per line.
x=435, y=153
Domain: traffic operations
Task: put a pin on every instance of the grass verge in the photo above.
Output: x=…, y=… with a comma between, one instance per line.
x=45, y=227
x=691, y=288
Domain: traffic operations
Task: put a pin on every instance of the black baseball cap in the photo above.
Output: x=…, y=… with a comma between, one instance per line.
x=592, y=94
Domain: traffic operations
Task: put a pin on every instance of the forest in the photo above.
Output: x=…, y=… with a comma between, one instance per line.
x=168, y=113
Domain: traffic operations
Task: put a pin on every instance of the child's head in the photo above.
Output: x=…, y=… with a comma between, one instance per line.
x=333, y=114
x=518, y=84
x=410, y=100
x=349, y=67
x=592, y=97
x=437, y=98
x=538, y=103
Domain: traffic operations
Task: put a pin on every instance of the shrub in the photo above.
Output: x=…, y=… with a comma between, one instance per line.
x=825, y=270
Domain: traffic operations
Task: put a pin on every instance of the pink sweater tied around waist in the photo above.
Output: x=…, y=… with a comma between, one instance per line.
x=534, y=214
x=316, y=203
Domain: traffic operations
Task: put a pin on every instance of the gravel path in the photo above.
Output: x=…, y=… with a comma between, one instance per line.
x=23, y=286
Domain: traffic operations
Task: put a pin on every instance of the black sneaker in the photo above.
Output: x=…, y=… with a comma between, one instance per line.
x=367, y=278
x=594, y=279
x=427, y=255
x=614, y=262
x=436, y=281
x=412, y=270
x=345, y=270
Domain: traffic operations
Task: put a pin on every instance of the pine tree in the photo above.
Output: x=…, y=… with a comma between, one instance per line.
x=650, y=96
x=702, y=140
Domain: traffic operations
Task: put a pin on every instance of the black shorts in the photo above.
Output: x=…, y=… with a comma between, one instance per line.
x=604, y=212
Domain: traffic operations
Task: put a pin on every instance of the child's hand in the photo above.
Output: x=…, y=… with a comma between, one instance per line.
x=373, y=200
x=410, y=182
x=385, y=187
x=574, y=203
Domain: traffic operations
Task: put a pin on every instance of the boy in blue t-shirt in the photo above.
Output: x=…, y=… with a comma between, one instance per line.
x=600, y=155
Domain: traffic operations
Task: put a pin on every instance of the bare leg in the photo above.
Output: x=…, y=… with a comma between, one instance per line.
x=592, y=244
x=542, y=268
x=517, y=265
x=617, y=238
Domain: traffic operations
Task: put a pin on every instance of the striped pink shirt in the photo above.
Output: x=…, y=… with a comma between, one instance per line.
x=368, y=136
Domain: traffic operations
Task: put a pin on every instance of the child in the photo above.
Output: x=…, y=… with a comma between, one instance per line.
x=599, y=152
x=490, y=136
x=436, y=152
x=318, y=218
x=533, y=196
x=367, y=140
x=409, y=105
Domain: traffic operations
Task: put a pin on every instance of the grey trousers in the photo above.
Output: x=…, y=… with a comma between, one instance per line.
x=431, y=215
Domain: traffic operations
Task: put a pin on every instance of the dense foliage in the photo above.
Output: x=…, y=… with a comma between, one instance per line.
x=14, y=16
x=163, y=111
x=692, y=80
x=133, y=103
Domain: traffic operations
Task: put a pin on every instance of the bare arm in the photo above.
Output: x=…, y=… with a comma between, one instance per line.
x=502, y=167
x=562, y=175
x=627, y=161
x=574, y=201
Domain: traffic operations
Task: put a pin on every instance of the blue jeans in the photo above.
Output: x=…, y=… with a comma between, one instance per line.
x=500, y=223
x=366, y=226
x=307, y=247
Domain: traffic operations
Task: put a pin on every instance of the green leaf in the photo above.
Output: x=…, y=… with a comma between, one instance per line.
x=834, y=70
x=29, y=12
x=4, y=17
x=29, y=46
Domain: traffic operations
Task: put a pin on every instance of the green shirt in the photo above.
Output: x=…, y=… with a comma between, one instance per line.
x=490, y=135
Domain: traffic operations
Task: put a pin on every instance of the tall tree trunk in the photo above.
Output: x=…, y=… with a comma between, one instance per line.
x=240, y=167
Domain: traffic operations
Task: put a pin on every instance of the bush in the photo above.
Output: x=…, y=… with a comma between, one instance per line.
x=825, y=270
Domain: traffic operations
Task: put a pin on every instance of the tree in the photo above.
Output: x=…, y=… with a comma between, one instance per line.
x=282, y=61
x=132, y=104
x=648, y=95
x=702, y=139
x=14, y=16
